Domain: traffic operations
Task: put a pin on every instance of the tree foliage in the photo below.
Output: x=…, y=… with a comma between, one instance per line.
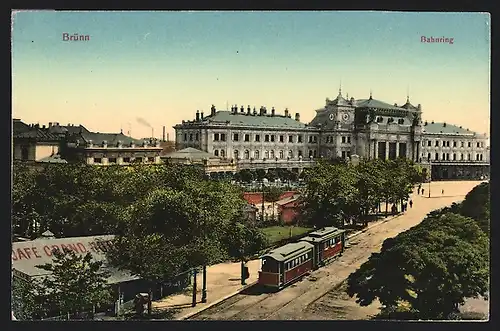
x=476, y=205
x=75, y=283
x=337, y=193
x=428, y=270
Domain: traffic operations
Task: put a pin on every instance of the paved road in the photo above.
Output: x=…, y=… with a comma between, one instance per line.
x=297, y=301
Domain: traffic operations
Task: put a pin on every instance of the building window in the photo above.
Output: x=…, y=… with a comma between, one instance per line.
x=428, y=156
x=126, y=159
x=480, y=157
x=235, y=137
x=266, y=138
x=447, y=156
x=299, y=138
x=348, y=140
x=343, y=140
x=469, y=144
x=444, y=157
x=223, y=137
x=461, y=144
x=216, y=152
x=138, y=159
x=282, y=138
x=290, y=154
x=236, y=154
x=282, y=155
x=151, y=159
x=454, y=144
x=197, y=137
x=343, y=154
x=311, y=153
x=271, y=155
x=461, y=157
x=436, y=156
x=454, y=157
x=429, y=143
x=112, y=160
x=247, y=137
x=468, y=157
x=190, y=137
x=290, y=139
x=216, y=137
x=437, y=143
x=257, y=154
x=266, y=154
x=185, y=137
x=299, y=153
x=247, y=154
x=97, y=160
x=257, y=137
x=272, y=138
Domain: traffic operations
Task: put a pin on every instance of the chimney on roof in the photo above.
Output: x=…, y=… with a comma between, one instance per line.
x=425, y=123
x=212, y=110
x=43, y=127
x=273, y=112
x=444, y=125
x=254, y=111
x=297, y=117
x=261, y=111
x=164, y=129
x=197, y=115
x=432, y=122
x=419, y=107
x=201, y=116
x=104, y=144
x=50, y=124
x=249, y=111
x=242, y=109
x=286, y=112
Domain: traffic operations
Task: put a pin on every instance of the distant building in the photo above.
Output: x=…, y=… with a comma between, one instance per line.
x=32, y=143
x=288, y=209
x=343, y=128
x=195, y=157
x=76, y=144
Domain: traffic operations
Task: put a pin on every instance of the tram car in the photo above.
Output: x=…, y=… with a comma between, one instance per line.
x=286, y=264
x=328, y=242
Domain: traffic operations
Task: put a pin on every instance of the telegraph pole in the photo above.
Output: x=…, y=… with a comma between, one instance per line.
x=204, y=290
x=195, y=272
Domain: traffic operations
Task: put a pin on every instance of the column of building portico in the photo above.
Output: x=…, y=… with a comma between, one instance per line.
x=397, y=149
x=375, y=149
x=386, y=150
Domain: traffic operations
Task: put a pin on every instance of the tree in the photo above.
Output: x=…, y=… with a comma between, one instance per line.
x=77, y=283
x=26, y=303
x=476, y=205
x=242, y=240
x=272, y=194
x=430, y=269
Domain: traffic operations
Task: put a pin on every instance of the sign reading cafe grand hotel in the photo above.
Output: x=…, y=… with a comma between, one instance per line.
x=369, y=128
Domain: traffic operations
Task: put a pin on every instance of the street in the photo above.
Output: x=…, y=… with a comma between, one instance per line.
x=315, y=297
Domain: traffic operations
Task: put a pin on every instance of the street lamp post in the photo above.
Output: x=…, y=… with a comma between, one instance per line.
x=430, y=178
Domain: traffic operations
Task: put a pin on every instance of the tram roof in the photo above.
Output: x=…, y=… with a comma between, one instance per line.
x=288, y=251
x=326, y=231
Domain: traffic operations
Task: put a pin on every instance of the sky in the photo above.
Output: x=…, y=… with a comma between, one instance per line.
x=140, y=71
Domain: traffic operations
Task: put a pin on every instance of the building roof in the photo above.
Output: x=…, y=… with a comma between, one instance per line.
x=242, y=119
x=440, y=127
x=56, y=158
x=373, y=103
x=112, y=139
x=288, y=200
x=189, y=153
x=289, y=251
x=21, y=130
x=340, y=100
x=27, y=255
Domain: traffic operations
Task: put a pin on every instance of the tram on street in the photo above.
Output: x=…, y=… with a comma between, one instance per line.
x=290, y=262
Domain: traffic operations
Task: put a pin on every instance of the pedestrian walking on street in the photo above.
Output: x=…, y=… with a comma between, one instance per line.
x=418, y=191
x=422, y=191
x=411, y=203
x=442, y=191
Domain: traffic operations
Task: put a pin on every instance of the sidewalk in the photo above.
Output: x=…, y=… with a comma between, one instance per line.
x=223, y=282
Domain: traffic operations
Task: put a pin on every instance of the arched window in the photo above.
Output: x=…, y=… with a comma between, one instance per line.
x=428, y=156
x=272, y=155
x=462, y=156
x=247, y=154
x=236, y=154
x=454, y=157
x=257, y=154
x=266, y=154
x=216, y=152
x=282, y=155
x=290, y=154
x=222, y=153
x=437, y=156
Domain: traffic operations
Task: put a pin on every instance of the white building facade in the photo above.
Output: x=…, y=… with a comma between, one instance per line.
x=368, y=128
